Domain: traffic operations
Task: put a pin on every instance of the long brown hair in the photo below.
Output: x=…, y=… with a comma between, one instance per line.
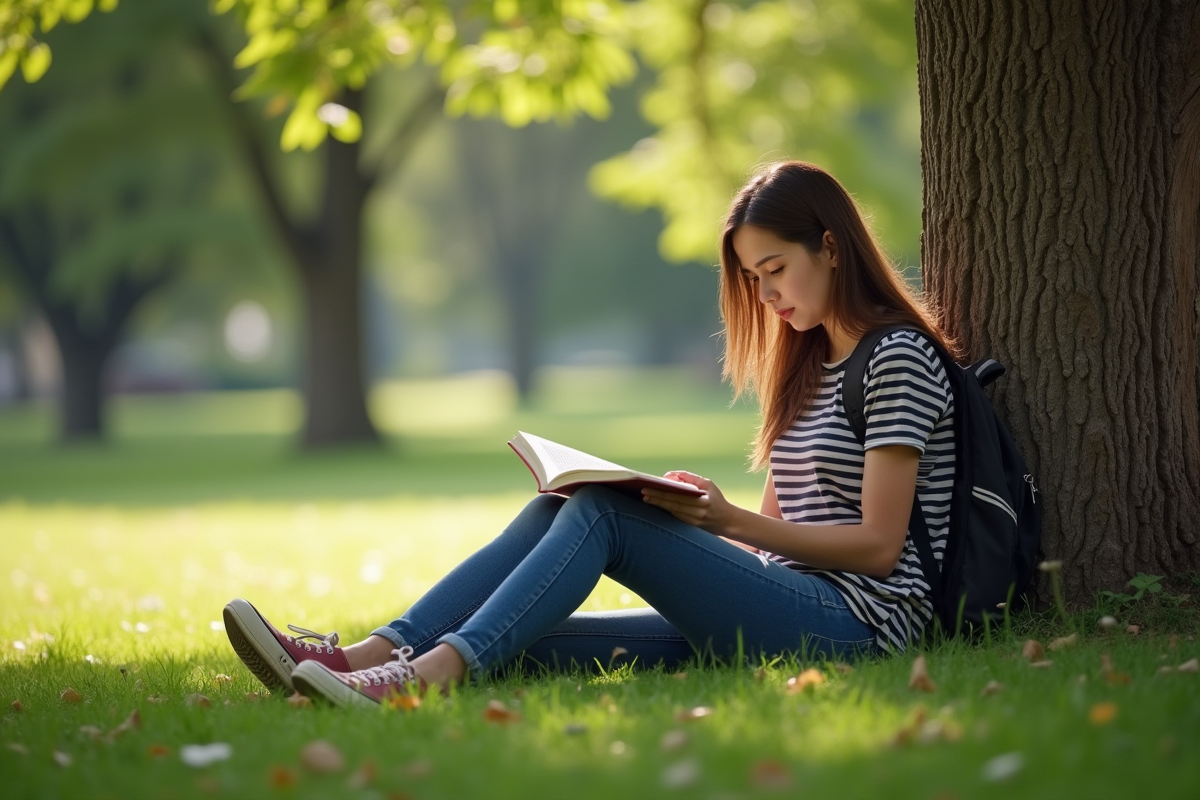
x=799, y=202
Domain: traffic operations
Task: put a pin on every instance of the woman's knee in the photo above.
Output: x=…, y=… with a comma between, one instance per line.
x=536, y=518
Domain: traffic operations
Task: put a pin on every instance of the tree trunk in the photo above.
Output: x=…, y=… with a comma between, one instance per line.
x=331, y=277
x=1059, y=158
x=82, y=397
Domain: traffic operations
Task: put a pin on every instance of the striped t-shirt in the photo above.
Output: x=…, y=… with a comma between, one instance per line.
x=817, y=467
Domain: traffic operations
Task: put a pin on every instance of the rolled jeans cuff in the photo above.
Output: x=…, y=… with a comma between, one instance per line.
x=464, y=650
x=391, y=635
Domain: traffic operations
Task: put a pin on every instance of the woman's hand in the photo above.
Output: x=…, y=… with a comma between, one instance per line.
x=710, y=511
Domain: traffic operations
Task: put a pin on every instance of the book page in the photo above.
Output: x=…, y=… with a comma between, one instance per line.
x=557, y=458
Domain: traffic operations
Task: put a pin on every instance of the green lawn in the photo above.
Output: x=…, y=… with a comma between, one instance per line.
x=117, y=561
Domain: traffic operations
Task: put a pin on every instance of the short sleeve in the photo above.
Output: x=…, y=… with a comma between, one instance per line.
x=907, y=392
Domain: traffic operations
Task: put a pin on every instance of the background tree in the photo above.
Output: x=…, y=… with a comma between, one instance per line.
x=107, y=183
x=738, y=84
x=1061, y=164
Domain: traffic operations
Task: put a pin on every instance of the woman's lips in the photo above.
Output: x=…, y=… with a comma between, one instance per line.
x=784, y=314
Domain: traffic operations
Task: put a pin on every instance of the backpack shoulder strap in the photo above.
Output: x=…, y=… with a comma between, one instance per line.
x=856, y=370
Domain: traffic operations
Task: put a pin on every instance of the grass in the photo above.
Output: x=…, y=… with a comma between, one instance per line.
x=118, y=559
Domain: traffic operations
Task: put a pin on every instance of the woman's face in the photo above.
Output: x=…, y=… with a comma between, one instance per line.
x=792, y=281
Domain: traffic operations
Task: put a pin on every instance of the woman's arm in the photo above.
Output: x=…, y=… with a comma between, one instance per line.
x=872, y=547
x=769, y=508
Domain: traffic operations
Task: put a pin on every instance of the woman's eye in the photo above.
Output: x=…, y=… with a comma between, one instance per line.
x=777, y=270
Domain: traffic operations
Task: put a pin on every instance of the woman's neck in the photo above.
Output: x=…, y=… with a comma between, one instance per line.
x=841, y=344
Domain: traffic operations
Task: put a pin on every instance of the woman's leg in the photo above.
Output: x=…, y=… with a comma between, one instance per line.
x=454, y=598
x=638, y=636
x=719, y=596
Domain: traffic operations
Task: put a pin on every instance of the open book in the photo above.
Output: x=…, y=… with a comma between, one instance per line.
x=562, y=470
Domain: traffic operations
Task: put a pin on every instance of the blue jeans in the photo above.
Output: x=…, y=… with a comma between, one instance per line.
x=512, y=601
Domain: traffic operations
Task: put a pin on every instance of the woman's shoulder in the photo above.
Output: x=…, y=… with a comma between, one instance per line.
x=908, y=351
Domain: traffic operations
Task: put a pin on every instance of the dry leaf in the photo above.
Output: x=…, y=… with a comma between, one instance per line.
x=768, y=774
x=281, y=777
x=807, y=678
x=195, y=699
x=18, y=748
x=843, y=669
x=222, y=678
x=919, y=680
x=681, y=774
x=322, y=756
x=364, y=776
x=760, y=675
x=992, y=688
x=672, y=740
x=499, y=713
x=155, y=700
x=617, y=651
x=62, y=759
x=253, y=697
x=1045, y=662
x=694, y=714
x=132, y=723
x=1190, y=666
x=908, y=731
x=1064, y=641
x=680, y=676
x=17, y=707
x=297, y=700
x=158, y=750
x=71, y=696
x=1134, y=630
x=1102, y=713
x=92, y=732
x=1032, y=650
x=403, y=701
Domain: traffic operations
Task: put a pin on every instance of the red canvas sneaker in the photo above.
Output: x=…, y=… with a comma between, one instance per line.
x=366, y=687
x=272, y=655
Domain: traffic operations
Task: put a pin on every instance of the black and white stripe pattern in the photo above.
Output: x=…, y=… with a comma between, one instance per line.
x=817, y=466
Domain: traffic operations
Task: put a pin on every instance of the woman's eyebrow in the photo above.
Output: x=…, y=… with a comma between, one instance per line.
x=765, y=259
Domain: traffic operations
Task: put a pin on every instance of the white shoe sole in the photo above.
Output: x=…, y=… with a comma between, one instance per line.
x=258, y=648
x=317, y=681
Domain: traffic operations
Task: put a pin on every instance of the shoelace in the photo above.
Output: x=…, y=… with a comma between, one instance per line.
x=398, y=671
x=330, y=640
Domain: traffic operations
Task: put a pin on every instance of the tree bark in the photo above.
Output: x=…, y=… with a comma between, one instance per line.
x=331, y=278
x=1060, y=144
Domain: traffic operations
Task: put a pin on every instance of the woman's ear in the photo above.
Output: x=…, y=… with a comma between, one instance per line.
x=830, y=247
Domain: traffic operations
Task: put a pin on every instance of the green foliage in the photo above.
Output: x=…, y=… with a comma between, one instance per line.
x=742, y=83
x=20, y=23
x=523, y=60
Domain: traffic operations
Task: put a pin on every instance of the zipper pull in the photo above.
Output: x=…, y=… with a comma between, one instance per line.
x=1033, y=490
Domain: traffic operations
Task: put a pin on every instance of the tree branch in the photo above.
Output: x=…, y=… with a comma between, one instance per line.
x=299, y=242
x=427, y=108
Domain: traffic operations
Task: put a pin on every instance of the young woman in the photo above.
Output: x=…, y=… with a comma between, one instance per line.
x=826, y=566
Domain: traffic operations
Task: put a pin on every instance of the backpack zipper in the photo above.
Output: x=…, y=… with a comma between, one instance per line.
x=994, y=499
x=1033, y=490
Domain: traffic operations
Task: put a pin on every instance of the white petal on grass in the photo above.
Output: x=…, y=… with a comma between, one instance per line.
x=1003, y=767
x=201, y=755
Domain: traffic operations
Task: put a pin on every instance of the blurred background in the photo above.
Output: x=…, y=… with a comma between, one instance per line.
x=515, y=254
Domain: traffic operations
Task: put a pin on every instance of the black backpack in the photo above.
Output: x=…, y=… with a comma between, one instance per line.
x=995, y=519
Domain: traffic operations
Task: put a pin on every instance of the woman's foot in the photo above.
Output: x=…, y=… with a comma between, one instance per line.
x=272, y=655
x=366, y=687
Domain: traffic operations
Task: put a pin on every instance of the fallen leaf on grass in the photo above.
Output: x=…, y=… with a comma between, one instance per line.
x=499, y=713
x=196, y=699
x=1064, y=641
x=1045, y=662
x=807, y=678
x=1032, y=650
x=297, y=700
x=18, y=748
x=919, y=680
x=1102, y=713
x=253, y=697
x=364, y=776
x=62, y=759
x=281, y=777
x=1133, y=630
x=1190, y=666
x=673, y=740
x=1003, y=767
x=1111, y=676
x=158, y=750
x=680, y=676
x=92, y=732
x=132, y=723
x=992, y=688
x=768, y=774
x=908, y=731
x=322, y=757
x=155, y=700
x=17, y=707
x=201, y=755
x=222, y=678
x=681, y=774
x=694, y=714
x=843, y=669
x=617, y=651
x=403, y=701
x=71, y=696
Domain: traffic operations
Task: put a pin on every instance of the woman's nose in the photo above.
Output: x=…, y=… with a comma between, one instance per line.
x=766, y=293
